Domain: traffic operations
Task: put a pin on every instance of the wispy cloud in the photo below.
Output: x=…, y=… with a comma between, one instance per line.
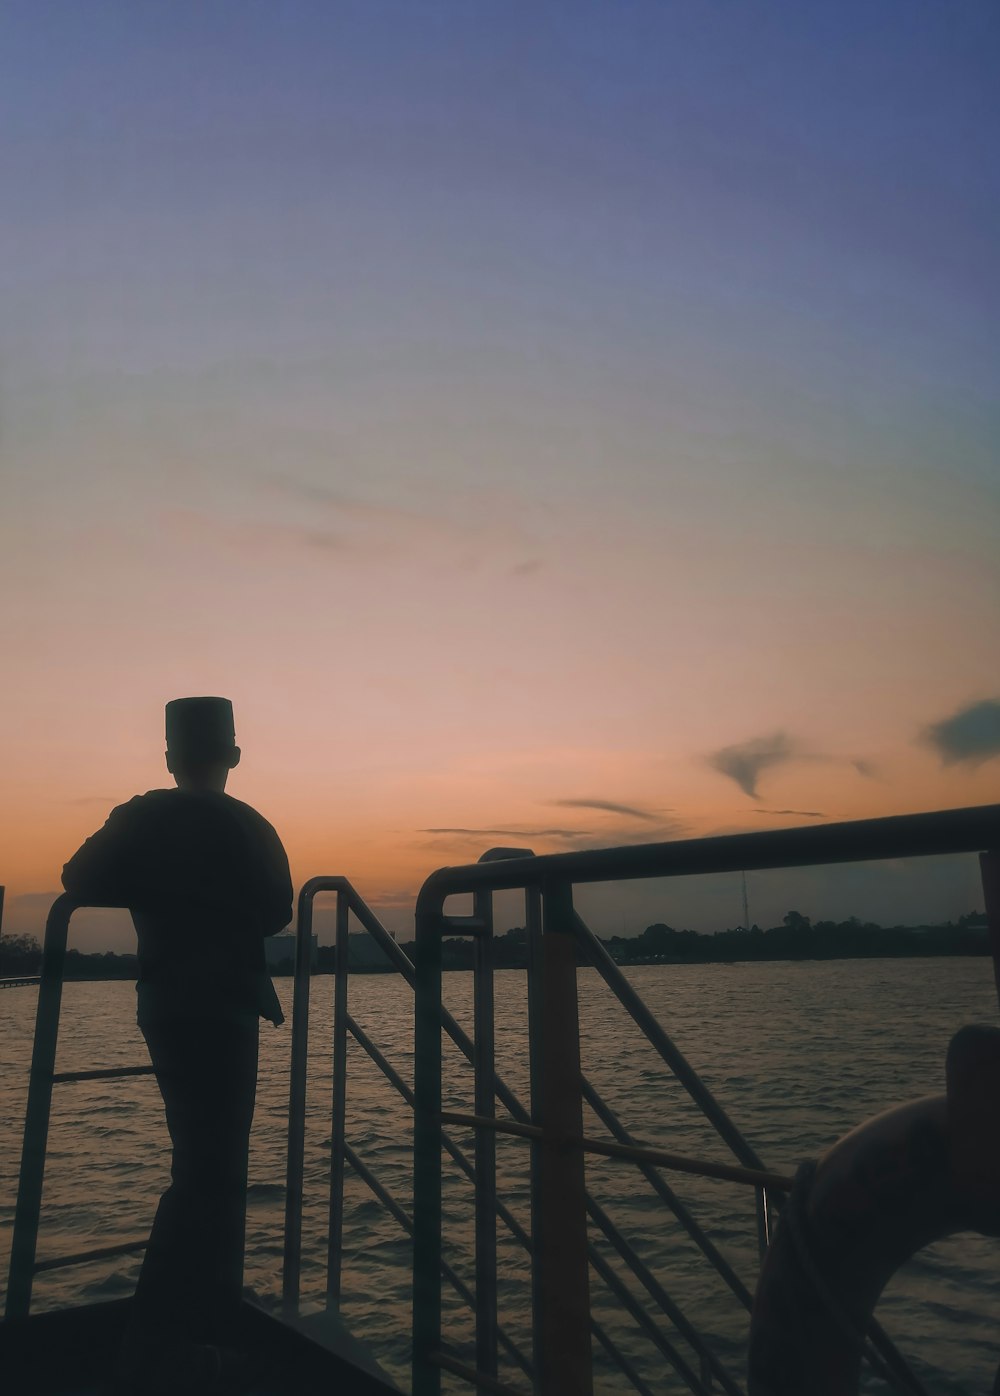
x=565, y=840
x=803, y=813
x=505, y=833
x=607, y=807
x=971, y=735
x=468, y=532
x=746, y=761
x=340, y=503
x=251, y=536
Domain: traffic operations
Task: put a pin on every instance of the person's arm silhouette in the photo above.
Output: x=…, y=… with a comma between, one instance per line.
x=105, y=870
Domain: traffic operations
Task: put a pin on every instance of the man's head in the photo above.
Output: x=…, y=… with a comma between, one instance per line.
x=201, y=742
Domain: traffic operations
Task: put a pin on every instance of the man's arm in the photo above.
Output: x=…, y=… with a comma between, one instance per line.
x=280, y=885
x=102, y=871
x=276, y=910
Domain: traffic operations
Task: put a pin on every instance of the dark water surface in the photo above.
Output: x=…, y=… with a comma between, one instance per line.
x=797, y=1053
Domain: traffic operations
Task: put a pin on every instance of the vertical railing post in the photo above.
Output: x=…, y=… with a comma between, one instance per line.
x=295, y=1163
x=565, y=1357
x=533, y=928
x=28, y=1208
x=484, y=1069
x=427, y=1144
x=338, y=1133
x=989, y=868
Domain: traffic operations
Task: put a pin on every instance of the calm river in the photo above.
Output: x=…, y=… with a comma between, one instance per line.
x=797, y=1053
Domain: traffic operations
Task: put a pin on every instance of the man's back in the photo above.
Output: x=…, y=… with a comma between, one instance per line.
x=205, y=877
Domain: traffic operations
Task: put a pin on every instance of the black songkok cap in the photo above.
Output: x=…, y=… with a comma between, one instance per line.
x=200, y=726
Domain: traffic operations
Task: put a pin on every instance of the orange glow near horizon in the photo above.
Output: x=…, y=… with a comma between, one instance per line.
x=387, y=829
x=611, y=463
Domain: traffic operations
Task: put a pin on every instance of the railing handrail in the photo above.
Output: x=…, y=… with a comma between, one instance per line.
x=968, y=830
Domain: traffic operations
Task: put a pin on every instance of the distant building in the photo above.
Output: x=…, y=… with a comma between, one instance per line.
x=280, y=949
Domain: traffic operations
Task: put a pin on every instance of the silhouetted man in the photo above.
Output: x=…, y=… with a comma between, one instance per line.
x=206, y=879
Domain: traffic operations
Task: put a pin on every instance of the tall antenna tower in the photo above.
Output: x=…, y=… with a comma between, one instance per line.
x=746, y=904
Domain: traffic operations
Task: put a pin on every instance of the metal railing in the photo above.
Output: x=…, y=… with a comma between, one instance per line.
x=24, y=1264
x=561, y=1252
x=341, y=1153
x=480, y=1170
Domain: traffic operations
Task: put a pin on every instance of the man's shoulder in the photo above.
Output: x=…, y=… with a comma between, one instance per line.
x=139, y=805
x=248, y=814
x=168, y=808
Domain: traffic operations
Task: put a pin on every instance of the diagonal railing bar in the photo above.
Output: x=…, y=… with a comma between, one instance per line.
x=619, y=1359
x=648, y=1326
x=667, y=1195
x=405, y=966
x=886, y=1360
x=394, y=1078
x=378, y=1057
x=399, y=1215
x=482, y=1381
x=653, y=1031
x=661, y=1298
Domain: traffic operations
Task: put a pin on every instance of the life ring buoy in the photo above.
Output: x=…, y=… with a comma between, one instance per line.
x=911, y=1176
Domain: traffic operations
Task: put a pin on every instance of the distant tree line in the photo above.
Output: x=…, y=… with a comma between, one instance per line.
x=22, y=955
x=796, y=938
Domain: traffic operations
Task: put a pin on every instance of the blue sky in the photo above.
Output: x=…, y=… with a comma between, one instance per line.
x=608, y=385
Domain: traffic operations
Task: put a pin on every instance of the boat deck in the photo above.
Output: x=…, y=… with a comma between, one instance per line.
x=69, y=1352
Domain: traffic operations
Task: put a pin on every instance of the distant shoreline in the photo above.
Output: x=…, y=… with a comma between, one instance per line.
x=795, y=940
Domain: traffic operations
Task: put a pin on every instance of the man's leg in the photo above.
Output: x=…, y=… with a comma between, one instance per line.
x=190, y=1285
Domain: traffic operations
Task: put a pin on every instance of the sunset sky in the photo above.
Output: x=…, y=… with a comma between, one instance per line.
x=559, y=424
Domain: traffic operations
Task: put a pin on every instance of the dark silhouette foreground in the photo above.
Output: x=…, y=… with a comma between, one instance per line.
x=200, y=872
